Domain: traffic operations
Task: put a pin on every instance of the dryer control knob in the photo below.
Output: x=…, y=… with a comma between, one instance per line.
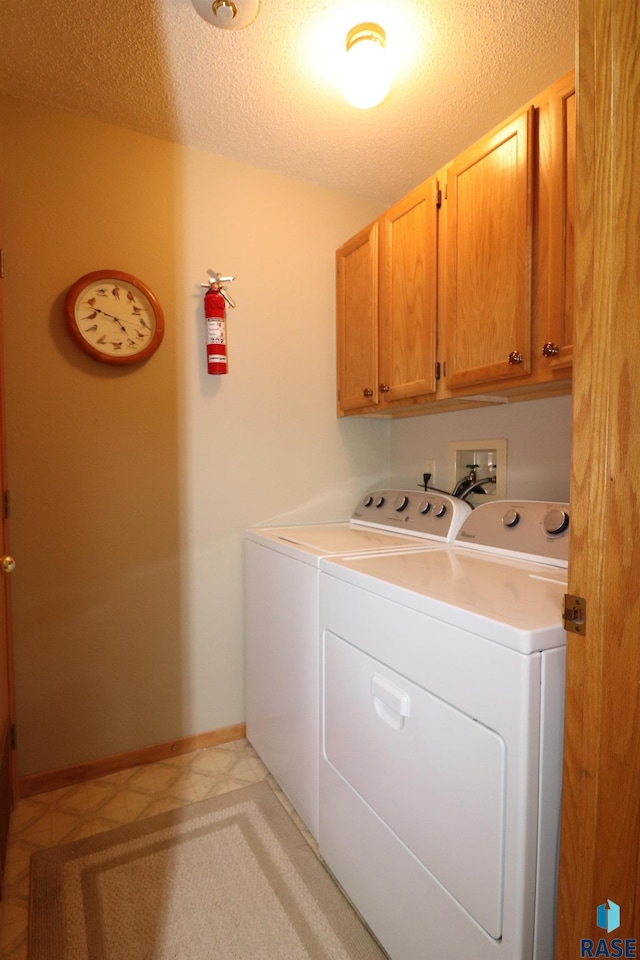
x=380, y=502
x=556, y=521
x=424, y=507
x=511, y=518
x=440, y=510
x=368, y=501
x=401, y=503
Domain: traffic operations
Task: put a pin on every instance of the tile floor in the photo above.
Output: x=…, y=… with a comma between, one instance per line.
x=70, y=813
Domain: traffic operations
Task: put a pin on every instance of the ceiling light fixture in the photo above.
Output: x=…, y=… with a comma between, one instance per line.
x=366, y=76
x=228, y=14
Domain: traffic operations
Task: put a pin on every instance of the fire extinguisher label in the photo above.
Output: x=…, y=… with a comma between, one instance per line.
x=216, y=358
x=216, y=331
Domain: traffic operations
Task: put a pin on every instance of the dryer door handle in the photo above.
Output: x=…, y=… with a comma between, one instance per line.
x=391, y=703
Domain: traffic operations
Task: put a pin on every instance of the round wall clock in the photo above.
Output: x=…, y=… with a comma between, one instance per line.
x=114, y=317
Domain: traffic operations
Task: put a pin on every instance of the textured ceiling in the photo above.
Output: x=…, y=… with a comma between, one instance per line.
x=268, y=95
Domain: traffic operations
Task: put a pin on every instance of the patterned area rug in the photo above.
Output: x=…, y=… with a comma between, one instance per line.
x=226, y=879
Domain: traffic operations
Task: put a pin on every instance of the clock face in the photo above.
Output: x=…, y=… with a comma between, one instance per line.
x=114, y=317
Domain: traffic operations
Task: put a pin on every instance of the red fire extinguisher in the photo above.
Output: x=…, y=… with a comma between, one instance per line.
x=215, y=300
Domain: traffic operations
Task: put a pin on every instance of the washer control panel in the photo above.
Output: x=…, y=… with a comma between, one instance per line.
x=433, y=516
x=527, y=529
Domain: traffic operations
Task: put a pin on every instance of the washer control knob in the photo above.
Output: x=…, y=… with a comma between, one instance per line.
x=380, y=502
x=556, y=521
x=424, y=507
x=511, y=518
x=368, y=500
x=440, y=510
x=401, y=503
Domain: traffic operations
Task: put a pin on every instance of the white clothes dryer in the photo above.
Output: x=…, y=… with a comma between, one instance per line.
x=281, y=621
x=441, y=736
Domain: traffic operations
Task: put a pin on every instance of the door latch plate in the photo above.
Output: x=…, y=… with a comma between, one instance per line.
x=574, y=617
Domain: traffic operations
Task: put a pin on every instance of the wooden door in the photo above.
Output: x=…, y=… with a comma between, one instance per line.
x=489, y=246
x=357, y=321
x=8, y=771
x=408, y=295
x=600, y=832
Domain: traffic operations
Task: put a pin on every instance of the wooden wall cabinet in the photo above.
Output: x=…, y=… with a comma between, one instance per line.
x=532, y=260
x=488, y=258
x=357, y=321
x=556, y=330
x=387, y=307
x=478, y=287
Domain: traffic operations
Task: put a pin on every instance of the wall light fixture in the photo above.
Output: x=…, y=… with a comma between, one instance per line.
x=366, y=76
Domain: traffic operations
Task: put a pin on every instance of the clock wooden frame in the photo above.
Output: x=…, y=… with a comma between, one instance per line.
x=129, y=332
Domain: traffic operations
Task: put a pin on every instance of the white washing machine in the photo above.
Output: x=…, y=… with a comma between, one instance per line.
x=441, y=725
x=281, y=622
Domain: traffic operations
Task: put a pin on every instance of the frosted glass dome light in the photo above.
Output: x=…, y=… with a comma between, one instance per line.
x=366, y=76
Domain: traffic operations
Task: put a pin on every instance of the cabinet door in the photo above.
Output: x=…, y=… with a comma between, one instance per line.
x=408, y=295
x=357, y=320
x=558, y=345
x=489, y=237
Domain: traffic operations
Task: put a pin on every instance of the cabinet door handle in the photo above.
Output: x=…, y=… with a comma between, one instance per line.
x=550, y=350
x=367, y=392
x=515, y=357
x=384, y=388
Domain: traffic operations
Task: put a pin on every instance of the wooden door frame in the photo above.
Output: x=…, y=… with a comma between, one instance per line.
x=600, y=834
x=5, y=548
x=8, y=759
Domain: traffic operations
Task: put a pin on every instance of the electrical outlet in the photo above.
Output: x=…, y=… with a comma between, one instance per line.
x=430, y=467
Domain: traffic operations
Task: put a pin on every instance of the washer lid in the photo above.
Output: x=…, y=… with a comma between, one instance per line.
x=331, y=539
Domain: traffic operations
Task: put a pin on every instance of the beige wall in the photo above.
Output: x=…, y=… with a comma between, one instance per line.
x=131, y=488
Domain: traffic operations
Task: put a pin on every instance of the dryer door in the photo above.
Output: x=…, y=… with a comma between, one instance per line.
x=434, y=775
